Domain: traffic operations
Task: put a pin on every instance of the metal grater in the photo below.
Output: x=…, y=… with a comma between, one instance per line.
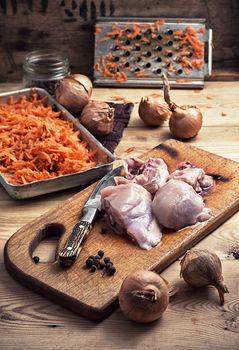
x=136, y=51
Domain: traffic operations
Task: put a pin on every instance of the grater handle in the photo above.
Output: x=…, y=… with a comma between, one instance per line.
x=209, y=59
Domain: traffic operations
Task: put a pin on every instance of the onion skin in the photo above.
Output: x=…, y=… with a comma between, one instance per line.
x=201, y=268
x=153, y=110
x=74, y=92
x=185, y=122
x=143, y=296
x=98, y=118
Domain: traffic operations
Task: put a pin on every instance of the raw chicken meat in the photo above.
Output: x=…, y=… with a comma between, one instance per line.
x=151, y=174
x=128, y=209
x=194, y=176
x=177, y=205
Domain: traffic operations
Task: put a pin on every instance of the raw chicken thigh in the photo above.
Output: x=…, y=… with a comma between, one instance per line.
x=194, y=176
x=177, y=205
x=151, y=174
x=128, y=209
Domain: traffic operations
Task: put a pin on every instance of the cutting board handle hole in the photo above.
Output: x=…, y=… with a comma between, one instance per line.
x=46, y=241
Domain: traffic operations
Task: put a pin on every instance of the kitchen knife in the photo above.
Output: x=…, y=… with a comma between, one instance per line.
x=71, y=249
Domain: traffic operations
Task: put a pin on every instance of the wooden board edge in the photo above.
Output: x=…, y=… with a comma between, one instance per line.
x=167, y=147
x=191, y=243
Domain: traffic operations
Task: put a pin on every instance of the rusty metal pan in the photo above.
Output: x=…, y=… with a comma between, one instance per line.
x=104, y=158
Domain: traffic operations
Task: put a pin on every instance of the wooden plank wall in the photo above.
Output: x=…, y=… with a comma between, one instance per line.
x=68, y=25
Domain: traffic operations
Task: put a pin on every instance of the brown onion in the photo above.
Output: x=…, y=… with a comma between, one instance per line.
x=98, y=118
x=73, y=92
x=143, y=296
x=185, y=121
x=153, y=110
x=201, y=268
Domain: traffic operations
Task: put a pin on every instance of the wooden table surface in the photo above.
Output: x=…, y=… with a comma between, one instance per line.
x=194, y=319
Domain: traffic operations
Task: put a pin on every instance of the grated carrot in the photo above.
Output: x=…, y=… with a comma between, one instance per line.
x=35, y=144
x=190, y=38
x=115, y=34
x=145, y=40
x=183, y=80
x=159, y=23
x=120, y=99
x=136, y=31
x=120, y=77
x=98, y=30
x=201, y=30
x=197, y=64
x=101, y=40
x=170, y=68
x=109, y=57
x=130, y=149
x=185, y=62
x=191, y=49
x=141, y=74
x=186, y=70
x=97, y=67
x=153, y=36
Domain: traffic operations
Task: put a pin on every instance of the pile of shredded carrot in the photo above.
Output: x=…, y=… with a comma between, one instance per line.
x=35, y=144
x=190, y=38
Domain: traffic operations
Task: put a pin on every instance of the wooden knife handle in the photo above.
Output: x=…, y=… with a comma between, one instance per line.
x=68, y=254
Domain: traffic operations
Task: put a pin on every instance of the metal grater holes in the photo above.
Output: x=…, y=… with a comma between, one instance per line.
x=144, y=50
x=169, y=32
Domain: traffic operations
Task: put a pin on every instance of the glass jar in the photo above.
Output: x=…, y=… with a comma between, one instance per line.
x=43, y=68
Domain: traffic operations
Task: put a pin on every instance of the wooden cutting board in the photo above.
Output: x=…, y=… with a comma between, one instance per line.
x=91, y=294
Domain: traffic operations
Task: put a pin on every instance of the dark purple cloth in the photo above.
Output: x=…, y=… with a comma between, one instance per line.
x=122, y=117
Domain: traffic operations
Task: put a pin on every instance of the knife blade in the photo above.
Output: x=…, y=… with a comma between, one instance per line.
x=71, y=249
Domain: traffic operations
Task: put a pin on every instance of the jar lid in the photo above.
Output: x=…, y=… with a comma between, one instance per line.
x=46, y=64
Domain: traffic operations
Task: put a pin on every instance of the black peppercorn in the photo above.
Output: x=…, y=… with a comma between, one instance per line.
x=89, y=262
x=96, y=262
x=101, y=265
x=103, y=230
x=101, y=253
x=106, y=259
x=36, y=259
x=111, y=270
x=93, y=268
x=91, y=257
x=108, y=265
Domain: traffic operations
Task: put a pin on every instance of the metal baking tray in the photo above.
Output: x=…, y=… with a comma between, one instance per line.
x=152, y=52
x=104, y=158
